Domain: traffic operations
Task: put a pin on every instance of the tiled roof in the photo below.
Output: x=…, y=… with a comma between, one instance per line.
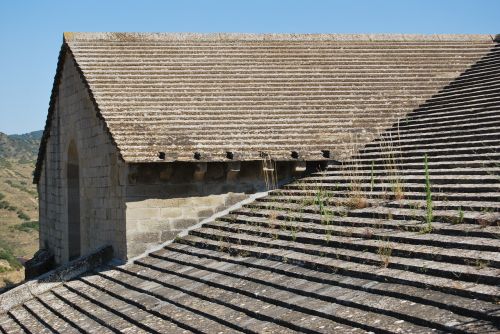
x=252, y=94
x=345, y=250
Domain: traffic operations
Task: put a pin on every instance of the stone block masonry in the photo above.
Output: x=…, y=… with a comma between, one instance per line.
x=164, y=199
x=102, y=208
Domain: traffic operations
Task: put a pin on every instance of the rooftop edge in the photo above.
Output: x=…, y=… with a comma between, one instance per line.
x=134, y=37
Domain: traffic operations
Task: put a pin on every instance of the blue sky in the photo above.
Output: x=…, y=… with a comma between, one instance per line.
x=31, y=31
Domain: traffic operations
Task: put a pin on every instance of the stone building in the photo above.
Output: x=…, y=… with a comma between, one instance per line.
x=130, y=176
x=399, y=234
x=147, y=134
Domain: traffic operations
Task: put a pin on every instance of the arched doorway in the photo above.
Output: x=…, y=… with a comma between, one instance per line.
x=73, y=181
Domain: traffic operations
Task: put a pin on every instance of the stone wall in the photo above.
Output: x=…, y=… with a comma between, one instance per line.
x=101, y=175
x=164, y=199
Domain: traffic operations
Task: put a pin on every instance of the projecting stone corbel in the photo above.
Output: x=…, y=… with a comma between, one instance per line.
x=299, y=167
x=200, y=170
x=233, y=170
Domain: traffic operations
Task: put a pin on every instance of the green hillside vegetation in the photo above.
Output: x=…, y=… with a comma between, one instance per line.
x=23, y=148
x=18, y=204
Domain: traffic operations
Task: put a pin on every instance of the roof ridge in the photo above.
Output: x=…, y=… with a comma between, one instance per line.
x=175, y=36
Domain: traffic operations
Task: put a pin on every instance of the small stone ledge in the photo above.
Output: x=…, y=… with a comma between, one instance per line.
x=45, y=282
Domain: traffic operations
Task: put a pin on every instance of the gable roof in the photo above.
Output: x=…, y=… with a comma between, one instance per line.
x=253, y=94
x=344, y=250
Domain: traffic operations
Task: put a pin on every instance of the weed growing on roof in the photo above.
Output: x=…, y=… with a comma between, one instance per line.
x=395, y=179
x=414, y=207
x=328, y=235
x=319, y=201
x=327, y=217
x=351, y=172
x=481, y=264
x=397, y=189
x=356, y=199
x=275, y=235
x=389, y=215
x=322, y=199
x=460, y=216
x=222, y=247
x=293, y=232
x=244, y=253
x=326, y=220
x=273, y=215
x=357, y=202
x=368, y=233
x=385, y=252
x=307, y=200
x=487, y=210
x=485, y=221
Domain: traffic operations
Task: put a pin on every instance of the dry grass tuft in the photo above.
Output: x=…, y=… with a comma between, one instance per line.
x=385, y=252
x=357, y=202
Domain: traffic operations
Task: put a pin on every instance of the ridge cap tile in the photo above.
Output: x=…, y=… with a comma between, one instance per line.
x=225, y=36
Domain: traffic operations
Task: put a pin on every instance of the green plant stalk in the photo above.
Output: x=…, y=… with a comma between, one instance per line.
x=460, y=216
x=428, y=194
x=319, y=201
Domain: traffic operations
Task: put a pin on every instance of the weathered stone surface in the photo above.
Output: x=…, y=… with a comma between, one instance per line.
x=171, y=212
x=42, y=262
x=169, y=235
x=158, y=205
x=102, y=207
x=355, y=248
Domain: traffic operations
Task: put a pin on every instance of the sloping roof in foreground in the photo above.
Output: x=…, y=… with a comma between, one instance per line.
x=345, y=250
x=251, y=94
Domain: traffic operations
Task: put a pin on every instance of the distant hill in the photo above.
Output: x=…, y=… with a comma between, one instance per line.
x=18, y=204
x=20, y=147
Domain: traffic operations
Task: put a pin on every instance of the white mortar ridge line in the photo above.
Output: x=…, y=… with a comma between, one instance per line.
x=186, y=231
